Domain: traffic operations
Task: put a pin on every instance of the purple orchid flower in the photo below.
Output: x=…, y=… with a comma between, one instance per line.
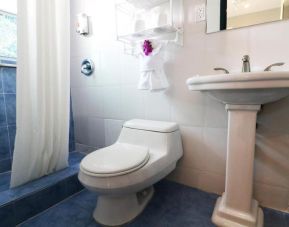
x=147, y=47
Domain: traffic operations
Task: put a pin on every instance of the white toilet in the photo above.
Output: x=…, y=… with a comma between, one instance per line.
x=123, y=173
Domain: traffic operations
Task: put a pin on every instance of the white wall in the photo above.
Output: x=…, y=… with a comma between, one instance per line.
x=213, y=15
x=102, y=102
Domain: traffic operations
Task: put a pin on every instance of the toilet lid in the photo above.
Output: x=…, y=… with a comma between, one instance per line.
x=114, y=160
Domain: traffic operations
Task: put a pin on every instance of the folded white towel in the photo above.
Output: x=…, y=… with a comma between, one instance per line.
x=152, y=75
x=145, y=4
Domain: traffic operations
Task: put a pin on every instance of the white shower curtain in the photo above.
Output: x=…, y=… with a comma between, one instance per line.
x=43, y=89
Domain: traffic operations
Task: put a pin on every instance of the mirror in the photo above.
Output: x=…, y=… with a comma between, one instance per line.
x=230, y=14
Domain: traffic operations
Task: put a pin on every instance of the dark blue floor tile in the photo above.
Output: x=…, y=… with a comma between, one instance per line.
x=4, y=181
x=5, y=165
x=86, y=200
x=71, y=129
x=71, y=145
x=94, y=224
x=43, y=182
x=39, y=201
x=3, y=121
x=7, y=216
x=173, y=200
x=64, y=214
x=9, y=80
x=1, y=84
x=273, y=218
x=27, y=207
x=67, y=176
x=11, y=108
x=173, y=205
x=286, y=217
x=73, y=185
x=75, y=157
x=36, y=196
x=12, y=133
x=5, y=197
x=4, y=143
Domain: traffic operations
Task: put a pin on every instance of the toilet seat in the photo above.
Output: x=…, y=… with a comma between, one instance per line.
x=115, y=160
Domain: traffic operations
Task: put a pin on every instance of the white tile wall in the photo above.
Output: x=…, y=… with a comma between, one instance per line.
x=103, y=101
x=272, y=196
x=132, y=103
x=111, y=102
x=112, y=131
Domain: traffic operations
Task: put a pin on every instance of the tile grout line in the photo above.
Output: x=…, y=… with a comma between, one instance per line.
x=43, y=212
x=3, y=173
x=5, y=109
x=6, y=115
x=42, y=187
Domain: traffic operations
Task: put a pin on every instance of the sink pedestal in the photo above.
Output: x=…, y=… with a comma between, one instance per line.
x=237, y=207
x=243, y=94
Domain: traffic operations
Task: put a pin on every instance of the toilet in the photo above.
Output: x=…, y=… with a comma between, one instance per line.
x=123, y=174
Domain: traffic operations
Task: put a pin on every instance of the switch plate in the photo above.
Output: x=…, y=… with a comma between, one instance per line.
x=200, y=13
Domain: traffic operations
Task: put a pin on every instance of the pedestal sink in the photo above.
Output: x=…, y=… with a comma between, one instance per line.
x=243, y=94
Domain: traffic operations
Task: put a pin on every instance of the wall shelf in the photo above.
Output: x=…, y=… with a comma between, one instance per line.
x=158, y=20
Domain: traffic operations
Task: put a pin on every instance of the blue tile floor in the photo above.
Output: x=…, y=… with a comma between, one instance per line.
x=4, y=181
x=173, y=205
x=8, y=195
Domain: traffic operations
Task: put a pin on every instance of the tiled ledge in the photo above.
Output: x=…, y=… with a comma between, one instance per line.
x=5, y=165
x=21, y=203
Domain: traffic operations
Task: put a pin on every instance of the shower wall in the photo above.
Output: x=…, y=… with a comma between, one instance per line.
x=7, y=116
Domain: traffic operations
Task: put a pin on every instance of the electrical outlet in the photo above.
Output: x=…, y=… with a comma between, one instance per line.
x=200, y=12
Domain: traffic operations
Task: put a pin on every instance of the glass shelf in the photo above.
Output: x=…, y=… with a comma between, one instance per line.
x=158, y=20
x=152, y=33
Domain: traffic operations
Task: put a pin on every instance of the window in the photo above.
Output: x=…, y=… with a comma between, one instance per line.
x=8, y=33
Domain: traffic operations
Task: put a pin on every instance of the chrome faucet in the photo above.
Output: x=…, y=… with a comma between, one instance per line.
x=246, y=64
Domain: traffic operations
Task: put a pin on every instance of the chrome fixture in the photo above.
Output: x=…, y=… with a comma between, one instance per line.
x=222, y=69
x=87, y=67
x=272, y=65
x=246, y=64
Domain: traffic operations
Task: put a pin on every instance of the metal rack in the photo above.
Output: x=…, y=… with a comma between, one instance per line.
x=138, y=20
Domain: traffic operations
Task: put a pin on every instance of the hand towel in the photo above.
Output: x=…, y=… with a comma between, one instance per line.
x=152, y=75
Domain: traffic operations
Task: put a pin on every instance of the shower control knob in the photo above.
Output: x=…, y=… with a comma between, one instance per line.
x=87, y=67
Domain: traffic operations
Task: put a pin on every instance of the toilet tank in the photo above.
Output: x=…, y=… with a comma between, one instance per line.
x=157, y=136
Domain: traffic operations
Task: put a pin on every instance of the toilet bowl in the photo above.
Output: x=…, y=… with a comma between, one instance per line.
x=123, y=174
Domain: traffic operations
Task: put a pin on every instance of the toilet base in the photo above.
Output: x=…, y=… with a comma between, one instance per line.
x=119, y=210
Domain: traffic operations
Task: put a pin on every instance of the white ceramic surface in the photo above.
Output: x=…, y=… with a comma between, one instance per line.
x=114, y=161
x=155, y=126
x=119, y=192
x=243, y=88
x=243, y=94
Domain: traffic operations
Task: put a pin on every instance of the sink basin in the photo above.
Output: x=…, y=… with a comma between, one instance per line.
x=243, y=94
x=243, y=88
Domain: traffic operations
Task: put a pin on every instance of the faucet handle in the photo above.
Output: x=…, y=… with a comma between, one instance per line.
x=246, y=58
x=222, y=69
x=272, y=65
